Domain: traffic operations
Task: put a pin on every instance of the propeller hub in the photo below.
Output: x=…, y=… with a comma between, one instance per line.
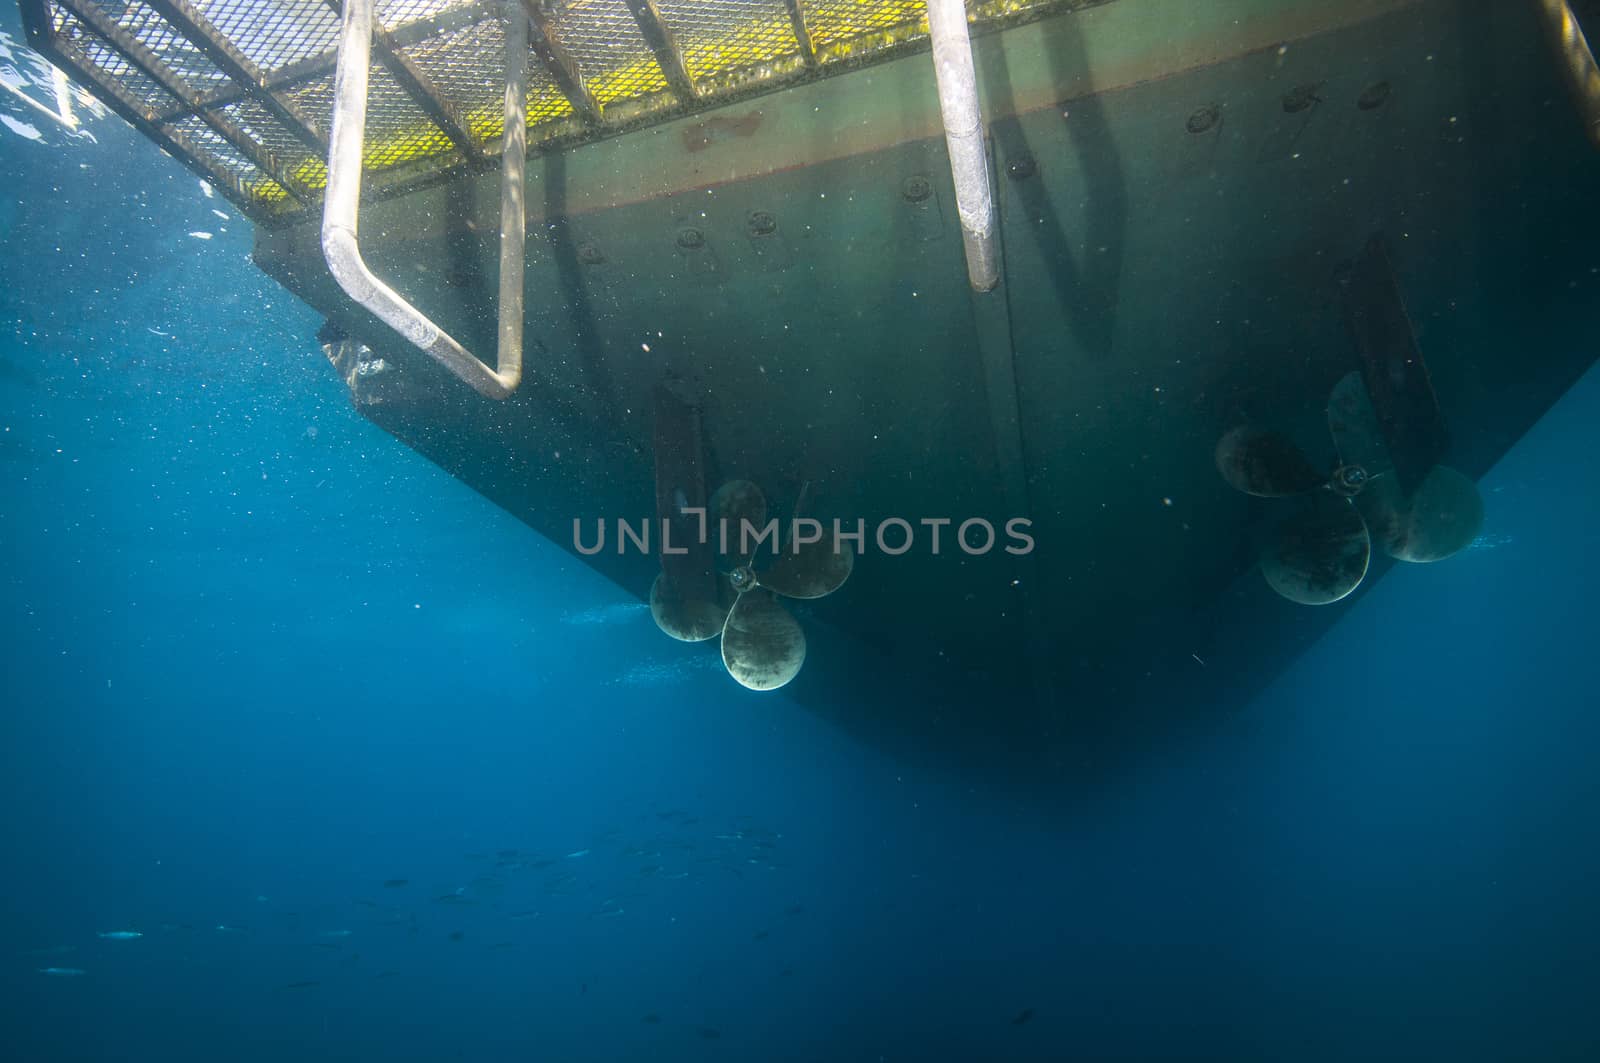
x=1349, y=480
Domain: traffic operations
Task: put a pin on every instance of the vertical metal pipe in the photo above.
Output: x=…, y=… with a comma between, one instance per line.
x=963, y=137
x=513, y=218
x=341, y=201
x=341, y=211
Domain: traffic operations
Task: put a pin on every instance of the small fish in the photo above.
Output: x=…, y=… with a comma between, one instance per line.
x=299, y=985
x=580, y=852
x=456, y=935
x=395, y=883
x=1022, y=1016
x=336, y=933
x=651, y=1018
x=62, y=972
x=709, y=1033
x=121, y=935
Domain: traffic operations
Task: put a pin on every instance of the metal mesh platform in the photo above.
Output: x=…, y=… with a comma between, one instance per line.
x=242, y=90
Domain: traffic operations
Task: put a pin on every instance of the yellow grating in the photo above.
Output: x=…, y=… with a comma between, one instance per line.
x=311, y=173
x=477, y=89
x=457, y=47
x=175, y=51
x=264, y=128
x=473, y=85
x=835, y=21
x=720, y=36
x=397, y=131
x=274, y=35
x=314, y=98
x=393, y=14
x=227, y=159
x=110, y=63
x=545, y=105
x=604, y=41
x=993, y=9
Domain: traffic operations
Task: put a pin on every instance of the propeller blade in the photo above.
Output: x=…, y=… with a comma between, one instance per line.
x=1320, y=554
x=1441, y=518
x=1353, y=423
x=735, y=504
x=739, y=500
x=685, y=619
x=1265, y=464
x=810, y=570
x=762, y=645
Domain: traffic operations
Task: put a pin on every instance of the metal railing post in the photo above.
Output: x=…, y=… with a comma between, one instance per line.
x=342, y=206
x=963, y=137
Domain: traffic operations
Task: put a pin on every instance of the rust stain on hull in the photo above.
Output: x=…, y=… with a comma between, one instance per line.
x=718, y=129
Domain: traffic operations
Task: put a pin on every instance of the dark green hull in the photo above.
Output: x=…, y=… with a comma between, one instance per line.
x=1177, y=194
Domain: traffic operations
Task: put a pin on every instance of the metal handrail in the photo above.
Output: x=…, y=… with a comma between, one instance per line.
x=1577, y=62
x=342, y=206
x=963, y=138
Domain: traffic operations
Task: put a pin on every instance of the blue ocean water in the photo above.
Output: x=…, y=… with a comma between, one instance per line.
x=378, y=774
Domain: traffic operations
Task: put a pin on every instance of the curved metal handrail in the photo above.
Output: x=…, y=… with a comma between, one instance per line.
x=342, y=206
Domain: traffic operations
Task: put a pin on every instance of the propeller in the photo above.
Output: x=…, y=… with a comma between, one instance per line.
x=1440, y=518
x=1319, y=553
x=763, y=646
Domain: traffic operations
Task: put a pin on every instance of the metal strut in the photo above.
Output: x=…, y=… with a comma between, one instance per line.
x=963, y=137
x=342, y=206
x=1577, y=62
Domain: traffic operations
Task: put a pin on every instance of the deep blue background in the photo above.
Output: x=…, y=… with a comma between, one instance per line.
x=259, y=658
